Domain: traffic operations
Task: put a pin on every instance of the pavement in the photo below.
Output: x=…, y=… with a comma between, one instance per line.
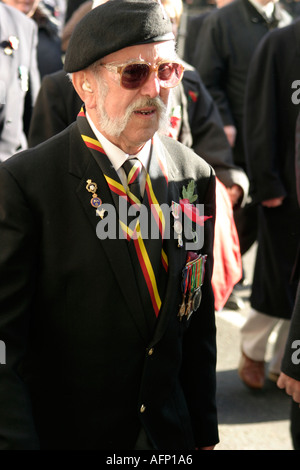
x=248, y=419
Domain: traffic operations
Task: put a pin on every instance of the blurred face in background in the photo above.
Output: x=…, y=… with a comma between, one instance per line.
x=27, y=7
x=174, y=10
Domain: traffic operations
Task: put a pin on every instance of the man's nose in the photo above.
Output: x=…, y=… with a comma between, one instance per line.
x=152, y=86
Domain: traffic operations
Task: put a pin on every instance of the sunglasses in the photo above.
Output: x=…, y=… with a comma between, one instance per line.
x=134, y=75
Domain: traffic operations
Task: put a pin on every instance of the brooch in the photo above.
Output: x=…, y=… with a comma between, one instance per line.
x=96, y=202
x=187, y=207
x=11, y=45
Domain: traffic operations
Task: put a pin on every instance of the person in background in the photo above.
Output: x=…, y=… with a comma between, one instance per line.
x=194, y=24
x=198, y=124
x=106, y=347
x=18, y=73
x=225, y=45
x=270, y=122
x=76, y=16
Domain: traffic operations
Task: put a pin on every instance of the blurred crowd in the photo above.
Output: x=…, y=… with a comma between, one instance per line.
x=234, y=107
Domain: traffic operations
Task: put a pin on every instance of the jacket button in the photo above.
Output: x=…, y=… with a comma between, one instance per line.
x=151, y=351
x=142, y=408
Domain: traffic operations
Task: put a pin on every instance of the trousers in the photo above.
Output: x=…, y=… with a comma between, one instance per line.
x=255, y=334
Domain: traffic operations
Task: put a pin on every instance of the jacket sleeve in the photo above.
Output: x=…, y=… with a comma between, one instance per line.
x=17, y=274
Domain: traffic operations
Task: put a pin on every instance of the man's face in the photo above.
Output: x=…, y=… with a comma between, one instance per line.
x=129, y=118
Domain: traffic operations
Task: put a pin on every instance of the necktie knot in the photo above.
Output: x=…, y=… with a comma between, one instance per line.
x=133, y=168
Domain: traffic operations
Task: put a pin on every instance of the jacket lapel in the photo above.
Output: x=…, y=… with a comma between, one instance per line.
x=176, y=256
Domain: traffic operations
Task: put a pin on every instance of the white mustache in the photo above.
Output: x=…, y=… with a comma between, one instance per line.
x=147, y=102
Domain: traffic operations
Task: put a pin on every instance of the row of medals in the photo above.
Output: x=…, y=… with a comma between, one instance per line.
x=192, y=302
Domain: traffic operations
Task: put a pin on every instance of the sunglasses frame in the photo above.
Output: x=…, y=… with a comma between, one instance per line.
x=119, y=68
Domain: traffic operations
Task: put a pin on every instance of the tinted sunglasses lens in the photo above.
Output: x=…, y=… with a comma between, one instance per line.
x=134, y=76
x=170, y=74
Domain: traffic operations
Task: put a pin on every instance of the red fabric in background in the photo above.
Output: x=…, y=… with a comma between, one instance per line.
x=227, y=256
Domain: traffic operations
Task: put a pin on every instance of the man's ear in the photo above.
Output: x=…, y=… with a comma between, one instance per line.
x=84, y=88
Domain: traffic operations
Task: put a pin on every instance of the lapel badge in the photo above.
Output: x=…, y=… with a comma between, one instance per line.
x=96, y=202
x=11, y=45
x=176, y=211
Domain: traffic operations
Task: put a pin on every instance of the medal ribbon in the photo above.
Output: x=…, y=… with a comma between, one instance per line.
x=193, y=274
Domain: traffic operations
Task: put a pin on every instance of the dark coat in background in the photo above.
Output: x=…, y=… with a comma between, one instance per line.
x=225, y=45
x=194, y=24
x=49, y=43
x=57, y=106
x=271, y=112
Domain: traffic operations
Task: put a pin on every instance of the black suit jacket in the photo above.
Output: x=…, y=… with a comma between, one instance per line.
x=76, y=332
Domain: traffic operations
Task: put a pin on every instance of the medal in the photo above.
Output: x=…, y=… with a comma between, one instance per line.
x=184, y=287
x=197, y=298
x=176, y=211
x=189, y=307
x=182, y=308
x=92, y=188
x=193, y=276
x=178, y=230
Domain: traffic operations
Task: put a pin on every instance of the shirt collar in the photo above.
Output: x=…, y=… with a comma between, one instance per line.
x=266, y=10
x=115, y=154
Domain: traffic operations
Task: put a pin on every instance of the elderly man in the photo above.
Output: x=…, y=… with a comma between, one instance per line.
x=109, y=329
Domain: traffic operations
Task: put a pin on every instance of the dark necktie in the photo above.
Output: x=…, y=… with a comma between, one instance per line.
x=132, y=168
x=272, y=22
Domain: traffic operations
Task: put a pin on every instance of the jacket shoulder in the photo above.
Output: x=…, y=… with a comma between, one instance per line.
x=185, y=159
x=227, y=12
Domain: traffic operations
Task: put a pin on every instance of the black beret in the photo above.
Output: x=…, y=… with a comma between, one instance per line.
x=114, y=25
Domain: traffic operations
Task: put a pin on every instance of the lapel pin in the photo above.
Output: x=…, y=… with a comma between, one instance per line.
x=92, y=188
